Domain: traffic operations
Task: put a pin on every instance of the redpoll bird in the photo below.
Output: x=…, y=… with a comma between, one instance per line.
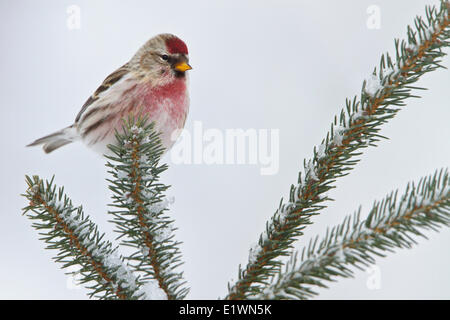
x=153, y=83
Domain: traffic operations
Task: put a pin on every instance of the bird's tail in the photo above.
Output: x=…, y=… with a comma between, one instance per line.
x=57, y=139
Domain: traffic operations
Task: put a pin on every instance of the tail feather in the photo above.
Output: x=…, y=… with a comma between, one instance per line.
x=57, y=139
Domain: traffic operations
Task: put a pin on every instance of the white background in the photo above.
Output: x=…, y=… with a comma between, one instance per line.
x=257, y=64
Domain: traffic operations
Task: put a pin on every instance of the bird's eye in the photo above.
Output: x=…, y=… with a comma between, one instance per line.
x=165, y=57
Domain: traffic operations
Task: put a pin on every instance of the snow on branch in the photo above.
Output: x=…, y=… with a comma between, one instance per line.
x=140, y=207
x=65, y=228
x=392, y=223
x=355, y=128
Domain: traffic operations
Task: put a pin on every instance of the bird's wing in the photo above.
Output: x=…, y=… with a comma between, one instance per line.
x=107, y=83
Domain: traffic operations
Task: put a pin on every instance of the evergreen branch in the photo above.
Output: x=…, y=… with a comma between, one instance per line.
x=357, y=128
x=140, y=216
x=391, y=224
x=65, y=228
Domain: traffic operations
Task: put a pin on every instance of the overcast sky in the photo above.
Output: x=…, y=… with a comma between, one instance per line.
x=286, y=65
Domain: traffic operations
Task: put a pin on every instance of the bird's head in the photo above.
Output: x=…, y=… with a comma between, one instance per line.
x=161, y=59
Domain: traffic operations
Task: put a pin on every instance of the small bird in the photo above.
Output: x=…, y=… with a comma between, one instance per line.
x=153, y=83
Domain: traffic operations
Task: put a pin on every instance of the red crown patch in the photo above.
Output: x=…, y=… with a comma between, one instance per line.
x=175, y=45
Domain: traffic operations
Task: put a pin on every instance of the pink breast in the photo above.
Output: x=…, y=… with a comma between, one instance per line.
x=166, y=105
x=170, y=98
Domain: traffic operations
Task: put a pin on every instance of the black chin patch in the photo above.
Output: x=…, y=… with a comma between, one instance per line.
x=179, y=74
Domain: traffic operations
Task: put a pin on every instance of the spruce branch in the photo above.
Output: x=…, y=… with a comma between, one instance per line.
x=140, y=216
x=391, y=224
x=65, y=228
x=356, y=128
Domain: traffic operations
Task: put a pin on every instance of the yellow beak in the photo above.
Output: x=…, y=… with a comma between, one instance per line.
x=182, y=66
